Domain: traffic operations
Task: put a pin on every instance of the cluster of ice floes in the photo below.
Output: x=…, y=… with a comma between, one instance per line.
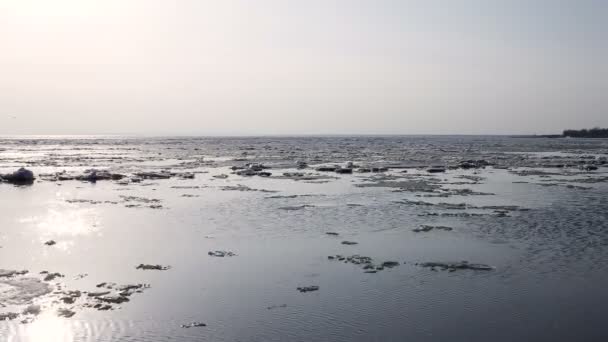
x=365, y=262
x=23, y=296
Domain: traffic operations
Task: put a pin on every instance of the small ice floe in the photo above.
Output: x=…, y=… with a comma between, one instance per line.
x=221, y=254
x=349, y=243
x=297, y=207
x=152, y=267
x=305, y=289
x=276, y=306
x=8, y=316
x=453, y=266
x=427, y=228
x=11, y=273
x=193, y=325
x=435, y=169
x=67, y=313
x=51, y=276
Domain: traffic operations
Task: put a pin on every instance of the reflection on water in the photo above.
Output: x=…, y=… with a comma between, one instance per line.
x=550, y=255
x=65, y=221
x=46, y=328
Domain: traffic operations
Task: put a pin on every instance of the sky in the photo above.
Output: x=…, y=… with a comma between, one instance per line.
x=265, y=67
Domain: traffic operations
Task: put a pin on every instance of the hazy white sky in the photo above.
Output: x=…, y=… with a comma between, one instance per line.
x=302, y=67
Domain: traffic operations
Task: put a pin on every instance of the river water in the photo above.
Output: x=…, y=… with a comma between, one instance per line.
x=535, y=211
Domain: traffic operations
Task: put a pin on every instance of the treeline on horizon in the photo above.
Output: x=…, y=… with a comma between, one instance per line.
x=587, y=133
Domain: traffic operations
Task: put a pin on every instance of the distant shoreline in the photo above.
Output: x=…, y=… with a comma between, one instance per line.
x=593, y=133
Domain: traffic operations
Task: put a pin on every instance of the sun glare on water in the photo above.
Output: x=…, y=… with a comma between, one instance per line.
x=46, y=328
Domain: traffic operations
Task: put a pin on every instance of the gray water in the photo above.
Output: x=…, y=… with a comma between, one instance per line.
x=545, y=237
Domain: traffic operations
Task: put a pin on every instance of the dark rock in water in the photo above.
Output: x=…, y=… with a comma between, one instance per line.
x=349, y=243
x=305, y=289
x=390, y=264
x=152, y=267
x=435, y=170
x=8, y=316
x=426, y=228
x=98, y=294
x=264, y=174
x=371, y=271
x=332, y=233
x=452, y=266
x=221, y=254
x=193, y=325
x=20, y=177
x=50, y=243
x=62, y=312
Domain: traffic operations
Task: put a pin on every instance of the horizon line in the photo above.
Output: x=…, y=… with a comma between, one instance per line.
x=230, y=135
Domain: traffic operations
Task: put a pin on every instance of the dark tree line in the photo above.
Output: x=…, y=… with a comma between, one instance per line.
x=587, y=133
